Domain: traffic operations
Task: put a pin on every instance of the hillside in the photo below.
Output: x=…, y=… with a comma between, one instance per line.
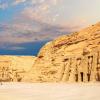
x=57, y=60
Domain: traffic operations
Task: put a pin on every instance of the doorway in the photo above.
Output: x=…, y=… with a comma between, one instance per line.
x=88, y=76
x=82, y=76
x=76, y=77
x=98, y=77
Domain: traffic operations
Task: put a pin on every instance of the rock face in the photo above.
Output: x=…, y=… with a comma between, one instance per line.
x=14, y=68
x=70, y=58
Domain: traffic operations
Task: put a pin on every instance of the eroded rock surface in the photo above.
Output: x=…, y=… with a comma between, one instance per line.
x=14, y=68
x=70, y=58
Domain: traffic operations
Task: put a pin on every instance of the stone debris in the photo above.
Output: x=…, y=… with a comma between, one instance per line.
x=14, y=68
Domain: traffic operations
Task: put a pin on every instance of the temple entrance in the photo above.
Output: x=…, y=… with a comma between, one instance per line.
x=98, y=72
x=98, y=77
x=88, y=77
x=76, y=77
x=82, y=76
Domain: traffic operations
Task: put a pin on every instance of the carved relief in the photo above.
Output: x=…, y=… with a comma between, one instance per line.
x=90, y=62
x=65, y=74
x=9, y=74
x=98, y=68
x=78, y=65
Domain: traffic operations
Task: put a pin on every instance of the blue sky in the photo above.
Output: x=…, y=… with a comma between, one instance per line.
x=27, y=22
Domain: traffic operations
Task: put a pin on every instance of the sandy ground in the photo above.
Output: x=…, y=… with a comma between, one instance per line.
x=49, y=91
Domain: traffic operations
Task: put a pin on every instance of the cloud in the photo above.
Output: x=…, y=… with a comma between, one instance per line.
x=15, y=48
x=52, y=2
x=55, y=2
x=36, y=7
x=36, y=30
x=44, y=7
x=7, y=4
x=3, y=6
x=16, y=2
x=43, y=3
x=35, y=22
x=41, y=9
x=20, y=33
x=30, y=14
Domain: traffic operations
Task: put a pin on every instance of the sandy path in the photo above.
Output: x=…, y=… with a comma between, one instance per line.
x=44, y=91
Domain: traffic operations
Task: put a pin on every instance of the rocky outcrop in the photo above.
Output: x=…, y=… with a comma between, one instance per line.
x=70, y=58
x=14, y=68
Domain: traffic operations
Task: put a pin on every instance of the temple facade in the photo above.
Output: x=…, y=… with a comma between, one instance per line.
x=85, y=68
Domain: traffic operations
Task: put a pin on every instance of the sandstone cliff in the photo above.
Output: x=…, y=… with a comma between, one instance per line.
x=73, y=57
x=13, y=68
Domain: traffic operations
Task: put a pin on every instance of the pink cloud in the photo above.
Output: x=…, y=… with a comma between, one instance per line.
x=3, y=6
x=16, y=2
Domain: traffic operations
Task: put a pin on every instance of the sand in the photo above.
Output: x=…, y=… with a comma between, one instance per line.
x=49, y=91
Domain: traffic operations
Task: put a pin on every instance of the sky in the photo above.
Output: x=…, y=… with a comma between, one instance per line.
x=26, y=25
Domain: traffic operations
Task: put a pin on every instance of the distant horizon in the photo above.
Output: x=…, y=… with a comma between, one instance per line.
x=32, y=50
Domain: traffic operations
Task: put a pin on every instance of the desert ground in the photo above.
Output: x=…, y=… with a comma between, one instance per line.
x=50, y=91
